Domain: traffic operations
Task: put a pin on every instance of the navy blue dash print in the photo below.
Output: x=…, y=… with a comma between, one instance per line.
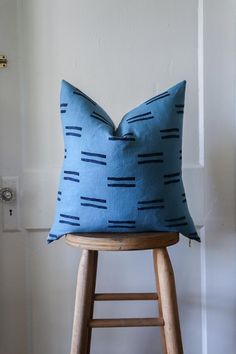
x=124, y=224
x=170, y=136
x=94, y=199
x=121, y=227
x=179, y=105
x=98, y=114
x=151, y=154
x=59, y=199
x=180, y=224
x=74, y=134
x=184, y=200
x=71, y=179
x=65, y=150
x=151, y=201
x=53, y=236
x=63, y=111
x=140, y=119
x=63, y=104
x=180, y=112
x=152, y=207
x=114, y=138
x=183, y=194
x=148, y=155
x=172, y=175
x=158, y=98
x=169, y=130
x=72, y=173
x=93, y=205
x=172, y=181
x=131, y=134
x=121, y=185
x=102, y=120
x=122, y=221
x=150, y=161
x=180, y=154
x=93, y=154
x=139, y=115
x=100, y=117
x=146, y=204
x=121, y=178
x=73, y=127
x=79, y=93
x=94, y=161
x=176, y=219
x=70, y=216
x=59, y=192
x=69, y=223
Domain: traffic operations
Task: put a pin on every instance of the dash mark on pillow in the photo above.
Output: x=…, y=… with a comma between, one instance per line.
x=72, y=176
x=121, y=224
x=93, y=202
x=79, y=93
x=69, y=219
x=172, y=178
x=99, y=117
x=140, y=117
x=150, y=158
x=151, y=204
x=179, y=108
x=158, y=97
x=63, y=106
x=170, y=133
x=180, y=221
x=100, y=158
x=121, y=182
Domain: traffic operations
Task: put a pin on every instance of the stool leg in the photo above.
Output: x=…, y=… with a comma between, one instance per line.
x=84, y=301
x=165, y=282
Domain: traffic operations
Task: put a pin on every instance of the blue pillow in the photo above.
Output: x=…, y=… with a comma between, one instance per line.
x=127, y=179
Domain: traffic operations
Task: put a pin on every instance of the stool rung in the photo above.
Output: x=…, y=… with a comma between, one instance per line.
x=126, y=322
x=124, y=296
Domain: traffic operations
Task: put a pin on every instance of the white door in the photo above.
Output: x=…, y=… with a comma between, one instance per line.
x=119, y=53
x=13, y=311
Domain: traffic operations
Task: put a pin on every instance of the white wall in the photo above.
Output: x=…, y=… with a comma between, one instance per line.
x=120, y=53
x=220, y=176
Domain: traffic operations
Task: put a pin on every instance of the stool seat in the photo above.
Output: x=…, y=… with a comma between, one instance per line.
x=122, y=241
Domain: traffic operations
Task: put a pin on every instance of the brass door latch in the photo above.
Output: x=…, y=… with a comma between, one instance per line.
x=3, y=61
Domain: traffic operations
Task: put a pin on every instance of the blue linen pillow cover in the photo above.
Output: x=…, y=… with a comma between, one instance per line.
x=127, y=179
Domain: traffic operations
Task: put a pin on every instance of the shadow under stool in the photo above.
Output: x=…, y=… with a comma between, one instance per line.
x=168, y=319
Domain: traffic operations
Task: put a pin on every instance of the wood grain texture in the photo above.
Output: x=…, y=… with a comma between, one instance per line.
x=83, y=312
x=124, y=296
x=122, y=241
x=171, y=334
x=126, y=322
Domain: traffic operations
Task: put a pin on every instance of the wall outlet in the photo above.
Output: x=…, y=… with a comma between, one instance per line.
x=10, y=210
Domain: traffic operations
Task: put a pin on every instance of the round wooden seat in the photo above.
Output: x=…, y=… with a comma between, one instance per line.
x=122, y=241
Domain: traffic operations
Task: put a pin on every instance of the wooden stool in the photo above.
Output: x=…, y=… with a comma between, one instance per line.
x=168, y=319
